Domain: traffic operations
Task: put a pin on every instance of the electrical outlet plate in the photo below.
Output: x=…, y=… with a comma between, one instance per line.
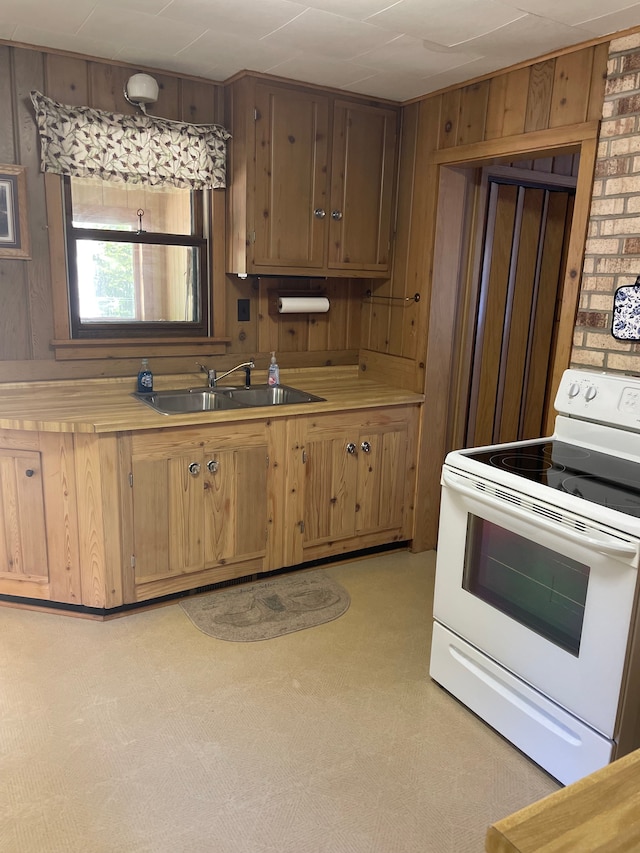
x=244, y=310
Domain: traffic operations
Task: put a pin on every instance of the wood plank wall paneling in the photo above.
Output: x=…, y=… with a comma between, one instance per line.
x=198, y=102
x=506, y=108
x=598, y=81
x=539, y=96
x=66, y=79
x=569, y=95
x=29, y=74
x=7, y=149
x=449, y=117
x=402, y=325
x=542, y=113
x=473, y=113
x=106, y=87
x=338, y=329
x=543, y=98
x=14, y=311
x=408, y=323
x=28, y=316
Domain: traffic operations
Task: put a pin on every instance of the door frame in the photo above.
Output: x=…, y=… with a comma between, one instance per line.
x=447, y=296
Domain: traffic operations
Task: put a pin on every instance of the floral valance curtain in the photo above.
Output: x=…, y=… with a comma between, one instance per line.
x=138, y=149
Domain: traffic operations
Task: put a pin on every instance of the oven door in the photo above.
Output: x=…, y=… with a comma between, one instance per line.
x=544, y=593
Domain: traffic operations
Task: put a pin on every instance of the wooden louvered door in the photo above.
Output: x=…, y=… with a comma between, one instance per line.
x=522, y=271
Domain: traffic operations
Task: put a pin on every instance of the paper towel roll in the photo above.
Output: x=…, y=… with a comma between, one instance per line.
x=303, y=305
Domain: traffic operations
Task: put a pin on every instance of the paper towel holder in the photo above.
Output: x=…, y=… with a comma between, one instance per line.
x=275, y=296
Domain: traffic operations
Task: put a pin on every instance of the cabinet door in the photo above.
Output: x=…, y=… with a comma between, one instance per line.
x=291, y=182
x=382, y=472
x=199, y=506
x=23, y=540
x=357, y=483
x=330, y=489
x=362, y=183
x=195, y=512
x=235, y=505
x=168, y=516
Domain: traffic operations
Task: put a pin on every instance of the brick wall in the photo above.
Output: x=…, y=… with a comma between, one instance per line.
x=612, y=252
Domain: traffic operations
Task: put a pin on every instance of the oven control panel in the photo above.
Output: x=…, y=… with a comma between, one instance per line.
x=608, y=398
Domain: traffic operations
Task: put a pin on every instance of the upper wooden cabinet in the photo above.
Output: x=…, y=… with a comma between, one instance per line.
x=311, y=182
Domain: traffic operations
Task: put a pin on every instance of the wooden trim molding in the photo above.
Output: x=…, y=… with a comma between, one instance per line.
x=439, y=362
x=130, y=347
x=67, y=348
x=571, y=286
x=538, y=142
x=57, y=256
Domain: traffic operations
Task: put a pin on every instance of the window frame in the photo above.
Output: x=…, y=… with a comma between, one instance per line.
x=199, y=239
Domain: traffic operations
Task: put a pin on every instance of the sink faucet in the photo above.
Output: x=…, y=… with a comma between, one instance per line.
x=213, y=378
x=211, y=374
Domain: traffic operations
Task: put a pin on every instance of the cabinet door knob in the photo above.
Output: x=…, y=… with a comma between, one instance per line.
x=319, y=213
x=336, y=214
x=351, y=448
x=366, y=447
x=29, y=472
x=212, y=465
x=194, y=468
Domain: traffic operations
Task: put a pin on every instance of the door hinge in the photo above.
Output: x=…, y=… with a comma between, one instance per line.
x=256, y=114
x=304, y=457
x=267, y=460
x=133, y=561
x=131, y=479
x=301, y=525
x=251, y=236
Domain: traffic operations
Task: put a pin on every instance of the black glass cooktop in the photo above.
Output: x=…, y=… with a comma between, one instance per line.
x=596, y=477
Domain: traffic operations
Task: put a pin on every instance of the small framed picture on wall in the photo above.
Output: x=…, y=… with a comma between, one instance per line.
x=14, y=228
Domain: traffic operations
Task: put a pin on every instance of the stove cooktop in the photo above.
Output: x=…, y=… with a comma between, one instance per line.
x=588, y=474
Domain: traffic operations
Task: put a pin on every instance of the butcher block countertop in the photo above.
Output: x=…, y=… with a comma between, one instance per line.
x=106, y=405
x=597, y=814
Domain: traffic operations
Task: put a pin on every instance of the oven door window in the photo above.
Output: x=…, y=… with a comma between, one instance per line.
x=541, y=589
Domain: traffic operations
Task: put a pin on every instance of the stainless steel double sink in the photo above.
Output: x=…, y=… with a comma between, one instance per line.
x=191, y=400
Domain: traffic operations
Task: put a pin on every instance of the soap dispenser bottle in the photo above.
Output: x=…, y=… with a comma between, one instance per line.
x=145, y=378
x=274, y=371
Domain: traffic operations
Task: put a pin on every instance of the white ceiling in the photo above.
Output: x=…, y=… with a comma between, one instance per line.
x=387, y=49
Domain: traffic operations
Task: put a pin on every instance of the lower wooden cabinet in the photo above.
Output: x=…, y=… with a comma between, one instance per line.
x=350, y=481
x=206, y=505
x=38, y=523
x=102, y=520
x=199, y=507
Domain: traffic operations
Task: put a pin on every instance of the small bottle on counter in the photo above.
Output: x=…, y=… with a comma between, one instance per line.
x=145, y=378
x=274, y=371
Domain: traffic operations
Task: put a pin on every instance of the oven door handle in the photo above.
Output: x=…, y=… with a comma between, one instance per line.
x=607, y=546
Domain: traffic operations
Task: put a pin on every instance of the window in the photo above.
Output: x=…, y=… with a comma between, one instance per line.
x=137, y=259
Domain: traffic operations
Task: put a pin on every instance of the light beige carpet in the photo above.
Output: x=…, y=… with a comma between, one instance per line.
x=267, y=609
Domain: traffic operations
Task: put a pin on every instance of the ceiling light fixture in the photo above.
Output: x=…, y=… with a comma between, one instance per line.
x=140, y=90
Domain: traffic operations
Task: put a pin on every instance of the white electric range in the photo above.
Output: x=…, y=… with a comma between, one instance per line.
x=535, y=609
